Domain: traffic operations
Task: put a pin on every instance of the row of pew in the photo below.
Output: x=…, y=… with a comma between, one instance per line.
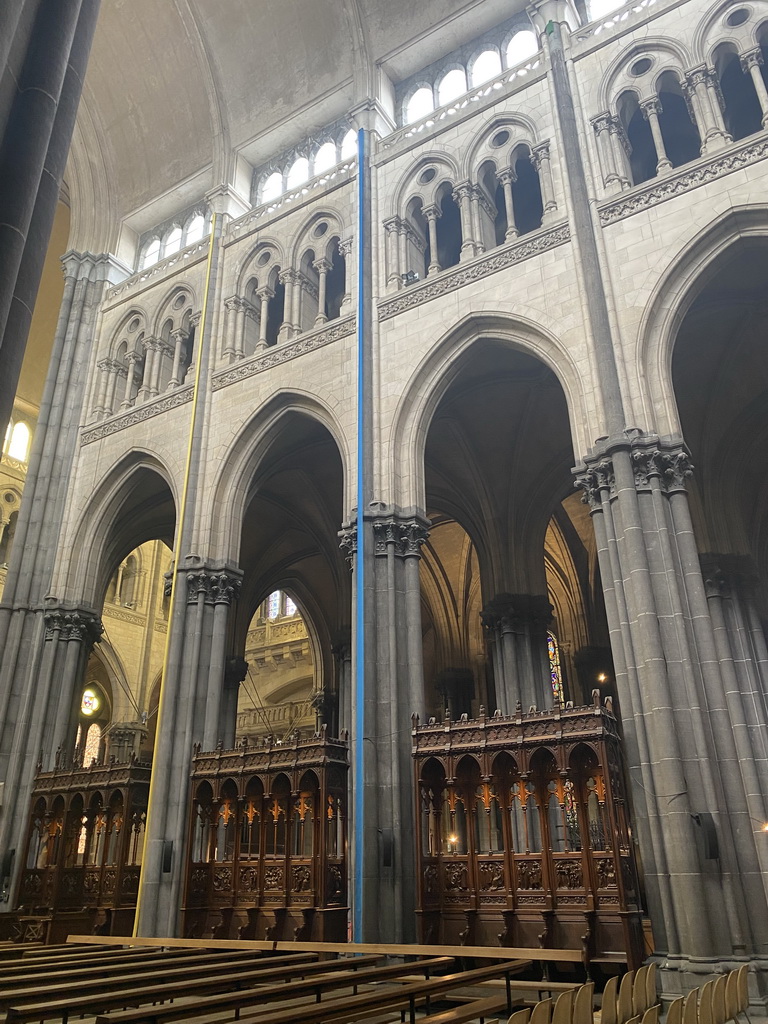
x=159, y=984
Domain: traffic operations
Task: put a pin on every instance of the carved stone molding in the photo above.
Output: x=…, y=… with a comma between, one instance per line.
x=225, y=587
x=348, y=542
x=180, y=396
x=217, y=586
x=498, y=259
x=666, y=461
x=678, y=183
x=334, y=331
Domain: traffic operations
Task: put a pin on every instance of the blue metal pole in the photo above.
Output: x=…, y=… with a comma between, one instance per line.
x=359, y=724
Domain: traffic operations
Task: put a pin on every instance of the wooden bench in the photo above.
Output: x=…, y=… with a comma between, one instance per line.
x=478, y=1009
x=99, y=961
x=334, y=974
x=120, y=978
x=112, y=996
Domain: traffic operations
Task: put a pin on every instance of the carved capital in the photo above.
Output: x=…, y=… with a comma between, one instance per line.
x=400, y=534
x=539, y=154
x=651, y=106
x=751, y=59
x=198, y=583
x=224, y=587
x=432, y=212
x=265, y=293
x=348, y=542
x=462, y=192
x=507, y=176
x=345, y=247
x=603, y=122
x=194, y=320
x=78, y=625
x=392, y=225
x=651, y=458
x=594, y=479
x=233, y=303
x=322, y=266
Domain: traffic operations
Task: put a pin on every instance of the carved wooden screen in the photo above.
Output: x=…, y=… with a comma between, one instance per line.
x=267, y=844
x=523, y=832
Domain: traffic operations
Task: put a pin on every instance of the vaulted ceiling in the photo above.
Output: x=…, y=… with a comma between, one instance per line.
x=177, y=90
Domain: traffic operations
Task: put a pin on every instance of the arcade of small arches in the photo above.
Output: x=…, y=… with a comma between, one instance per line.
x=663, y=113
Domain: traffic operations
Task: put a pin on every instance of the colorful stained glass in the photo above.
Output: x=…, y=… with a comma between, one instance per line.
x=92, y=743
x=273, y=604
x=290, y=607
x=90, y=703
x=553, y=651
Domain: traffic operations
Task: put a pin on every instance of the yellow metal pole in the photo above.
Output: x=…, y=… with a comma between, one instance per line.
x=177, y=553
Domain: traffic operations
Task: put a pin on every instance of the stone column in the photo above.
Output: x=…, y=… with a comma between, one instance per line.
x=476, y=196
x=37, y=129
x=506, y=177
x=163, y=352
x=179, y=338
x=751, y=62
x=150, y=355
x=347, y=250
x=542, y=164
x=613, y=150
x=651, y=109
x=79, y=630
x=706, y=105
x=100, y=406
x=398, y=536
x=682, y=762
x=288, y=280
x=392, y=228
x=235, y=671
x=225, y=587
x=130, y=380
x=462, y=195
x=264, y=294
x=431, y=214
x=230, y=345
x=116, y=372
x=517, y=626
x=322, y=267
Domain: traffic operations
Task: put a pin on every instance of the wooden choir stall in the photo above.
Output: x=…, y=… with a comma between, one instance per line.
x=84, y=845
x=267, y=841
x=523, y=833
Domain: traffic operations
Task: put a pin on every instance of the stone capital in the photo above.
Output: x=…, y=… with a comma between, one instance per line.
x=75, y=624
x=539, y=154
x=666, y=461
x=602, y=122
x=751, y=59
x=650, y=106
x=392, y=225
x=432, y=212
x=224, y=587
x=322, y=266
x=400, y=532
x=507, y=176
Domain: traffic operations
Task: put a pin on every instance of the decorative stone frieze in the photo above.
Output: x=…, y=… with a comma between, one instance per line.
x=334, y=331
x=450, y=280
x=687, y=179
x=146, y=411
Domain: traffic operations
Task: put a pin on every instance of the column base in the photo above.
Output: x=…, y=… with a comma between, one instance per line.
x=679, y=974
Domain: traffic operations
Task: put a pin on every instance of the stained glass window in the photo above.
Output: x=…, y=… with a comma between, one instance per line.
x=290, y=607
x=90, y=703
x=92, y=742
x=554, y=669
x=273, y=605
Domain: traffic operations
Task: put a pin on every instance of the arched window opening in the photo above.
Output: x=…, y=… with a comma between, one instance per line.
x=8, y=534
x=201, y=830
x=129, y=579
x=172, y=241
x=195, y=229
x=273, y=604
x=521, y=46
x=92, y=744
x=678, y=129
x=485, y=67
x=451, y=86
x=419, y=105
x=299, y=172
x=335, y=286
x=555, y=671
x=642, y=152
x=272, y=187
x=325, y=158
x=526, y=195
x=290, y=606
x=275, y=310
x=448, y=230
x=742, y=113
x=18, y=447
x=349, y=145
x=309, y=290
x=151, y=254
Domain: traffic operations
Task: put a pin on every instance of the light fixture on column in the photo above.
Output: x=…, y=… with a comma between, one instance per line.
x=602, y=678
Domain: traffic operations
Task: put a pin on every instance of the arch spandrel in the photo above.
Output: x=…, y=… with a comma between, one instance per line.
x=432, y=378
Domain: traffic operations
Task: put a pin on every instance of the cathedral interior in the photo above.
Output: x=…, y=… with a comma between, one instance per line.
x=384, y=520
